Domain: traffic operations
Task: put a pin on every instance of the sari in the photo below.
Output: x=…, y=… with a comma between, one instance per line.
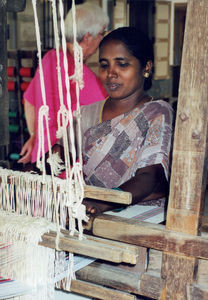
x=115, y=149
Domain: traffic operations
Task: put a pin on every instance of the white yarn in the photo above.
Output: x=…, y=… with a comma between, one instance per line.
x=21, y=258
x=46, y=196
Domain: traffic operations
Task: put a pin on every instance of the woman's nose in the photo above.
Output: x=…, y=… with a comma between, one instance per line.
x=112, y=72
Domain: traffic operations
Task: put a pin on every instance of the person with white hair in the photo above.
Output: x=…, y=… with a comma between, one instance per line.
x=91, y=23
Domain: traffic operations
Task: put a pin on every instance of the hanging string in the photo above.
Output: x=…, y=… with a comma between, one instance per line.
x=76, y=170
x=43, y=114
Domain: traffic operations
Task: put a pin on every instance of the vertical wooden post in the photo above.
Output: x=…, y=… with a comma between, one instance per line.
x=189, y=166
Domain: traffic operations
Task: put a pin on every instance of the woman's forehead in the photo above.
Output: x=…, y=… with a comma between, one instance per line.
x=114, y=46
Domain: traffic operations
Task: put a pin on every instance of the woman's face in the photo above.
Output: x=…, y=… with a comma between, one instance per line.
x=119, y=71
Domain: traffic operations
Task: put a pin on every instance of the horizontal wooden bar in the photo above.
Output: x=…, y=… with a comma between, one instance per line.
x=149, y=235
x=111, y=276
x=146, y=284
x=98, y=292
x=92, y=246
x=109, y=195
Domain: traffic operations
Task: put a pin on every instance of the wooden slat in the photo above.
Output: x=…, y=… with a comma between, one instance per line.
x=148, y=284
x=93, y=247
x=109, y=195
x=189, y=166
x=98, y=292
x=149, y=235
x=111, y=276
x=204, y=224
x=197, y=292
x=151, y=285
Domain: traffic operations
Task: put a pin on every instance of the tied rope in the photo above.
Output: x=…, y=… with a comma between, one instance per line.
x=43, y=114
x=74, y=173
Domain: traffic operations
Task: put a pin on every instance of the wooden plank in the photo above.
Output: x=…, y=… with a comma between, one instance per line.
x=149, y=235
x=148, y=284
x=98, y=292
x=202, y=273
x=189, y=166
x=109, y=195
x=188, y=174
x=204, y=224
x=151, y=285
x=177, y=271
x=111, y=276
x=197, y=292
x=93, y=247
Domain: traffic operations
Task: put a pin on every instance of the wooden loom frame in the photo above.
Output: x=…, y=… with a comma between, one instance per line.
x=184, y=249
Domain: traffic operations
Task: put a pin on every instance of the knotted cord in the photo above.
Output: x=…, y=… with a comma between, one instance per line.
x=48, y=196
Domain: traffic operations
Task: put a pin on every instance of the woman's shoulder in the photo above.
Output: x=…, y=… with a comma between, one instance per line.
x=92, y=108
x=159, y=105
x=90, y=114
x=50, y=54
x=157, y=108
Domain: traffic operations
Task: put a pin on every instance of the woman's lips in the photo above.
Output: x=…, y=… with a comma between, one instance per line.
x=113, y=86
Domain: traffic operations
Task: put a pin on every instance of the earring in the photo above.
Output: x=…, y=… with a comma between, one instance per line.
x=146, y=75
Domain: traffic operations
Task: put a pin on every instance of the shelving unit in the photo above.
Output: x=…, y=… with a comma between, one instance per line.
x=21, y=67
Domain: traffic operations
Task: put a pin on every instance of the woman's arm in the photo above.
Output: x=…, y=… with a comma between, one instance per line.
x=149, y=183
x=30, y=120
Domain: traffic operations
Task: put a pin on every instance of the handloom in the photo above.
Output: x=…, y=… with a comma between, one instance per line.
x=31, y=204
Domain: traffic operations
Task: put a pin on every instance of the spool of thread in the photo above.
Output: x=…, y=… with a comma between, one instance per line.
x=12, y=114
x=24, y=85
x=11, y=71
x=26, y=72
x=13, y=128
x=12, y=86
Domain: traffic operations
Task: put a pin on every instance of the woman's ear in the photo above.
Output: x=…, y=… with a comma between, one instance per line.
x=148, y=69
x=149, y=66
x=87, y=37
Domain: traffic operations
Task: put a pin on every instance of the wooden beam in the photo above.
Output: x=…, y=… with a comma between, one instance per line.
x=111, y=276
x=151, y=285
x=147, y=284
x=189, y=166
x=109, y=195
x=93, y=247
x=150, y=235
x=98, y=292
x=197, y=292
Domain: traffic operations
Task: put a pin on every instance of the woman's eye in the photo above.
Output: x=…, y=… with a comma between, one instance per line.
x=103, y=66
x=123, y=65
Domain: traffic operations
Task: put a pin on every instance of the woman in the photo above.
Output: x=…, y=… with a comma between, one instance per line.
x=127, y=138
x=91, y=23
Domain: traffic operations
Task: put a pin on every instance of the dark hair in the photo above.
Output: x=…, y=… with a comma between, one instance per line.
x=137, y=43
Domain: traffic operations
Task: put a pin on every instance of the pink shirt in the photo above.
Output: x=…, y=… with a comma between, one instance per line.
x=93, y=91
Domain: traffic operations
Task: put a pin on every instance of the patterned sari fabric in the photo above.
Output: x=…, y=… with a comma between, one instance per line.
x=113, y=150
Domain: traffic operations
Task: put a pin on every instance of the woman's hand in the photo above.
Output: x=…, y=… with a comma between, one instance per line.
x=27, y=150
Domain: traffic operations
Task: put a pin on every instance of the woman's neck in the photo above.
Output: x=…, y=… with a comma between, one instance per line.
x=114, y=108
x=128, y=103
